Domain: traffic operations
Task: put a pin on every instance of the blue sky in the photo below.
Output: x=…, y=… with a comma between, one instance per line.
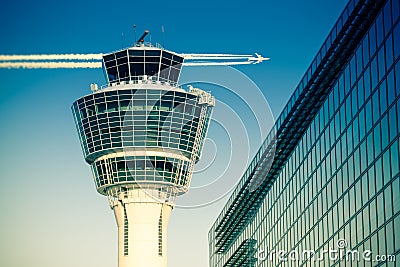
x=52, y=215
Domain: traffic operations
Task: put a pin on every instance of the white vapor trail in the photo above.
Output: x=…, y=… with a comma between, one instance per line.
x=51, y=57
x=228, y=63
x=67, y=61
x=51, y=65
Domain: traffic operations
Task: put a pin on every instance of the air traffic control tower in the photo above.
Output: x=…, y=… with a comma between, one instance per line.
x=142, y=135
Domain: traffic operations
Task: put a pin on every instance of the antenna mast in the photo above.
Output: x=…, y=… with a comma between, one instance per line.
x=134, y=34
x=163, y=35
x=141, y=39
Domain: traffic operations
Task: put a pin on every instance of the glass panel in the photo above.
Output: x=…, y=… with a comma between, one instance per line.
x=136, y=53
x=396, y=40
x=152, y=53
x=112, y=74
x=151, y=69
x=123, y=71
x=137, y=69
x=152, y=59
x=121, y=54
x=109, y=57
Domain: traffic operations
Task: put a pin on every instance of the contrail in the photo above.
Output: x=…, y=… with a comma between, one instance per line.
x=51, y=65
x=68, y=61
x=51, y=57
x=190, y=56
x=229, y=63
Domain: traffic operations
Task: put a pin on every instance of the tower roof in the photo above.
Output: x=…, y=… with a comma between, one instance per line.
x=137, y=62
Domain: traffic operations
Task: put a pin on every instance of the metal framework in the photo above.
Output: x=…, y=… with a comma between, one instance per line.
x=294, y=121
x=244, y=255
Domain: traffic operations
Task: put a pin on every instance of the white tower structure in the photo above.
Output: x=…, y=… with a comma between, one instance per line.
x=142, y=135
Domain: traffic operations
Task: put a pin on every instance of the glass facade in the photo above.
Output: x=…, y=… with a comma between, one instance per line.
x=119, y=119
x=341, y=178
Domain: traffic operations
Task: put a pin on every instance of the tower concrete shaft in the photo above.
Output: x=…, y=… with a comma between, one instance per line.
x=142, y=229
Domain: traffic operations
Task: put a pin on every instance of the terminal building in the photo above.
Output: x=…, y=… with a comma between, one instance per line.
x=328, y=173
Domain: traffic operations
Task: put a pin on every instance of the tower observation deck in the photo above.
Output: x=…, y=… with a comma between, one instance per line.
x=142, y=135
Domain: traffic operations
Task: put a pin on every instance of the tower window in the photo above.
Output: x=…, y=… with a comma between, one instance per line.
x=126, y=236
x=160, y=237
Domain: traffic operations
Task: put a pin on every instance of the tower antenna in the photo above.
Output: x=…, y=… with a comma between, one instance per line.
x=141, y=39
x=134, y=34
x=163, y=35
